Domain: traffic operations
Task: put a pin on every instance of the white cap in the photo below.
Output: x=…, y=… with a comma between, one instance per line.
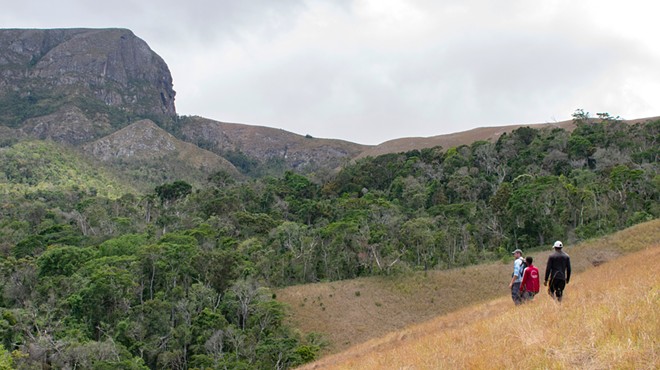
x=558, y=244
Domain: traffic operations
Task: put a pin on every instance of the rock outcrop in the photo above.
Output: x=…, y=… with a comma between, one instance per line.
x=143, y=140
x=68, y=125
x=149, y=155
x=104, y=72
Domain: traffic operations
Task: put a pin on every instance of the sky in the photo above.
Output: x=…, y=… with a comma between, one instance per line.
x=369, y=71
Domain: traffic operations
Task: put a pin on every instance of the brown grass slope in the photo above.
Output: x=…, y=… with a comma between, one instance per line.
x=266, y=143
x=464, y=137
x=609, y=319
x=356, y=311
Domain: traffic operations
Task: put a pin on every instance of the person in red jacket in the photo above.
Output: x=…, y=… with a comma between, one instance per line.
x=530, y=284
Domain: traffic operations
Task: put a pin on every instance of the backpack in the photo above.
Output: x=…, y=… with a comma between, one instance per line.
x=523, y=266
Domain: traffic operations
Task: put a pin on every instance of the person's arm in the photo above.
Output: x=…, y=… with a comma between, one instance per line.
x=568, y=269
x=547, y=272
x=516, y=263
x=513, y=280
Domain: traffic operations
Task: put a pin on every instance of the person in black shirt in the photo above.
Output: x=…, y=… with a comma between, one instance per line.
x=558, y=270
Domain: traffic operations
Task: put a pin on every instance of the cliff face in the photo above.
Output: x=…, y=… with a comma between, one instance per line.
x=110, y=74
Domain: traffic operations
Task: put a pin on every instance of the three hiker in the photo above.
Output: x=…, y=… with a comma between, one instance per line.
x=558, y=270
x=516, y=277
x=525, y=282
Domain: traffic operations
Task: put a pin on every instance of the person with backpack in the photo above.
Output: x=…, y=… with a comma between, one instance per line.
x=529, y=286
x=558, y=270
x=516, y=277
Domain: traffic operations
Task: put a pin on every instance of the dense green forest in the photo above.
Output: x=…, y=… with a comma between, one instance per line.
x=95, y=275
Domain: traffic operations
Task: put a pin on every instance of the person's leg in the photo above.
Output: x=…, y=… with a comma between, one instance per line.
x=551, y=289
x=559, y=288
x=527, y=296
x=515, y=293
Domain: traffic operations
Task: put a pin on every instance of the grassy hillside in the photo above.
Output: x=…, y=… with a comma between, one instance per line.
x=355, y=311
x=608, y=319
x=465, y=137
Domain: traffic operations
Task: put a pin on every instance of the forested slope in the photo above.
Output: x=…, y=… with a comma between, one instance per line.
x=181, y=277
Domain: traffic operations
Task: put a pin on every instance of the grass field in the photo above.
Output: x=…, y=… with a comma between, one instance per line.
x=609, y=319
x=437, y=320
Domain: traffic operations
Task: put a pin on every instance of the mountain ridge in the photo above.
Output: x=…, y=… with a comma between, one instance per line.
x=76, y=86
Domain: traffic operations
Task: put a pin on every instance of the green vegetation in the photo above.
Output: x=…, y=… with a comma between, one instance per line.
x=97, y=275
x=42, y=100
x=33, y=167
x=16, y=108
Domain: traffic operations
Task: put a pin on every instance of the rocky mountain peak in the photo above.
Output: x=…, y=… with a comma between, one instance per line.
x=93, y=68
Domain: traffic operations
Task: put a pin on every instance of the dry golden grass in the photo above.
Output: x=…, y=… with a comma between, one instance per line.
x=608, y=319
x=455, y=139
x=355, y=311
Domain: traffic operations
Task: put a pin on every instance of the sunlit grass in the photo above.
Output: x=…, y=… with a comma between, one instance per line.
x=608, y=319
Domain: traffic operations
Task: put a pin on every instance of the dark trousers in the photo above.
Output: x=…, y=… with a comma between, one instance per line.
x=556, y=288
x=515, y=293
x=528, y=296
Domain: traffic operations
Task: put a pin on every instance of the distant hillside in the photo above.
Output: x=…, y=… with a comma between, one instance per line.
x=450, y=140
x=464, y=137
x=68, y=125
x=354, y=311
x=303, y=153
x=151, y=155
